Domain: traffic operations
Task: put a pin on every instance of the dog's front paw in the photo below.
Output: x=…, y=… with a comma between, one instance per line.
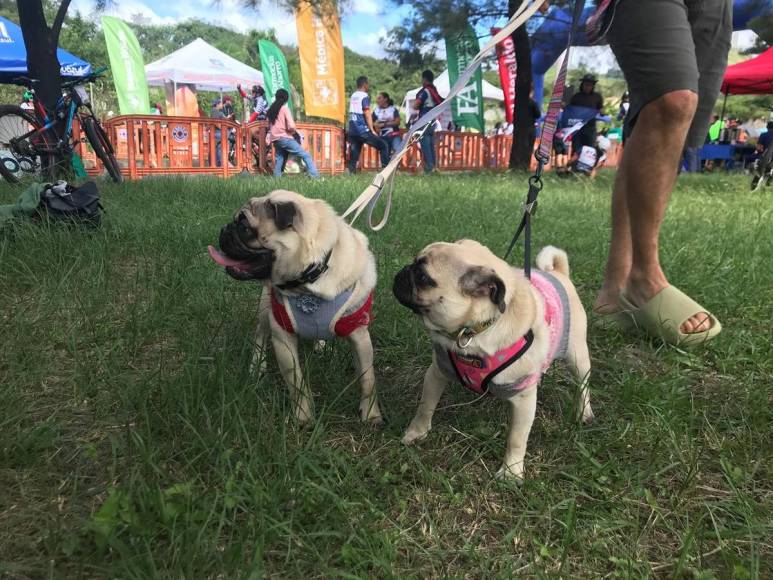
x=370, y=411
x=587, y=416
x=512, y=473
x=303, y=413
x=415, y=432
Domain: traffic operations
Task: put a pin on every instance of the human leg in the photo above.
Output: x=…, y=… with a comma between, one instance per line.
x=279, y=159
x=355, y=146
x=653, y=42
x=295, y=148
x=428, y=150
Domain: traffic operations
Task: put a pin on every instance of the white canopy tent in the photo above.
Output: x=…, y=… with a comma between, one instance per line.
x=443, y=86
x=202, y=65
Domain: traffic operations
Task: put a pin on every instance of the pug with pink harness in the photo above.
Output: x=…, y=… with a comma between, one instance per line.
x=495, y=332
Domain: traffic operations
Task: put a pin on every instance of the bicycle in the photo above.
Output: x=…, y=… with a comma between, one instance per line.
x=763, y=170
x=32, y=141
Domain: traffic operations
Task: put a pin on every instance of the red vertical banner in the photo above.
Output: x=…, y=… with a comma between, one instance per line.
x=506, y=59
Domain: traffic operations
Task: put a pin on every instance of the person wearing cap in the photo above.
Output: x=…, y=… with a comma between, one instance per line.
x=673, y=54
x=589, y=98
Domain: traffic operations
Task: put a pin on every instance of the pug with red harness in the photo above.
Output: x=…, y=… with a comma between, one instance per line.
x=319, y=276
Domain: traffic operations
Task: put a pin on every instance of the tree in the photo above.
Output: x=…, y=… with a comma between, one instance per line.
x=41, y=42
x=431, y=20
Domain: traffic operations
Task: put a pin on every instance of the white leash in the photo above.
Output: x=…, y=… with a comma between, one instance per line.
x=369, y=198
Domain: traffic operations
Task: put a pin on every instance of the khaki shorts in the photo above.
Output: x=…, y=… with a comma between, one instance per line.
x=671, y=45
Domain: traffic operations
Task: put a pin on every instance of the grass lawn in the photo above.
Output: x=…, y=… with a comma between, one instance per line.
x=134, y=443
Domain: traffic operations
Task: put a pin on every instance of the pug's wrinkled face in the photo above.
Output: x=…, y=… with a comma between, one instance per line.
x=264, y=231
x=451, y=286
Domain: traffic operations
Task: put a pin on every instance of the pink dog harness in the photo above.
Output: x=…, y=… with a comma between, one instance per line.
x=477, y=373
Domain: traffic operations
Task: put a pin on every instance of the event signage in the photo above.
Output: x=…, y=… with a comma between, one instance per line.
x=127, y=66
x=322, y=61
x=467, y=106
x=274, y=68
x=507, y=69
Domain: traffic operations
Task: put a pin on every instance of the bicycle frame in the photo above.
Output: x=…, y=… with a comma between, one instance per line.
x=49, y=123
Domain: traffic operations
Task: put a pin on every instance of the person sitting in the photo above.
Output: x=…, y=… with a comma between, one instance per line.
x=361, y=129
x=386, y=119
x=283, y=135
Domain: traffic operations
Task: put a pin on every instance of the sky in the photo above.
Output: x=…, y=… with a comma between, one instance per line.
x=363, y=26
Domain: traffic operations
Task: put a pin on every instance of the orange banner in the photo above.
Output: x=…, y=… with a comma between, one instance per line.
x=322, y=61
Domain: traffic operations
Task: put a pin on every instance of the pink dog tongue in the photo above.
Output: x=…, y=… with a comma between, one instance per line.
x=224, y=260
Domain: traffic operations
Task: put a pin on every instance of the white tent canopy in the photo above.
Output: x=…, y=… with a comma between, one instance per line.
x=201, y=64
x=443, y=87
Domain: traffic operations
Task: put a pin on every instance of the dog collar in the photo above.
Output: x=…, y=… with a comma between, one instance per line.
x=463, y=337
x=310, y=275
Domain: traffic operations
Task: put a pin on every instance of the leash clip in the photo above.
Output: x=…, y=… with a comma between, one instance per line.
x=463, y=334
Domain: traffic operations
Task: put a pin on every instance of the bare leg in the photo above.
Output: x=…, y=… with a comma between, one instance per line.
x=286, y=352
x=523, y=407
x=363, y=362
x=647, y=175
x=434, y=385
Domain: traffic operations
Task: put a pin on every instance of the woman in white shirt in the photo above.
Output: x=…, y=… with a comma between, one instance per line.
x=386, y=120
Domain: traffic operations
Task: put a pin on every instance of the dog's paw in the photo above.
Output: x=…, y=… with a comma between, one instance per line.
x=370, y=412
x=303, y=415
x=587, y=416
x=414, y=434
x=512, y=473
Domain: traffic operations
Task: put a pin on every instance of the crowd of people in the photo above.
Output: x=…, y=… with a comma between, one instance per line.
x=379, y=126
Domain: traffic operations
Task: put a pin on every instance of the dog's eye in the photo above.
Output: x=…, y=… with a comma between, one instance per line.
x=423, y=280
x=243, y=228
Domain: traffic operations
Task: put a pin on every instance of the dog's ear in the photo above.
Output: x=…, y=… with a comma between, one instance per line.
x=283, y=213
x=478, y=281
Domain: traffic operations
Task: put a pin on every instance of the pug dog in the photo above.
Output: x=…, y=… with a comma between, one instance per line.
x=319, y=277
x=495, y=332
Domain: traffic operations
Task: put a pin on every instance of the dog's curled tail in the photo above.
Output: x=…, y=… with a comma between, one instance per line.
x=552, y=259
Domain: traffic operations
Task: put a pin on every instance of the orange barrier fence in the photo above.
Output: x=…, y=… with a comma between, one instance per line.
x=153, y=145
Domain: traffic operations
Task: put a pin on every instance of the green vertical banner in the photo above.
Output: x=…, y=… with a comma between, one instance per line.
x=274, y=68
x=127, y=66
x=467, y=106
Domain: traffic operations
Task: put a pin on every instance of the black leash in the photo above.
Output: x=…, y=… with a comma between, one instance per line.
x=542, y=155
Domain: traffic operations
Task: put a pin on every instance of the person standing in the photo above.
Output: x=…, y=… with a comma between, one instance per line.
x=283, y=135
x=216, y=112
x=386, y=119
x=361, y=129
x=586, y=97
x=673, y=54
x=427, y=99
x=257, y=100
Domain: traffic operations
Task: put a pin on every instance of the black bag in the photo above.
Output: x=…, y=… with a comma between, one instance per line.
x=63, y=202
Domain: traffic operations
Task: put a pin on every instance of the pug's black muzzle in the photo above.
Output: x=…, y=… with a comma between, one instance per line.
x=404, y=288
x=257, y=262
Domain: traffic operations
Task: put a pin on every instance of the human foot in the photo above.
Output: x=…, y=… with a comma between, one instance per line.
x=642, y=291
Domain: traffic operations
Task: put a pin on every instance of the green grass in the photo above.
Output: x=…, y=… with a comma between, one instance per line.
x=134, y=444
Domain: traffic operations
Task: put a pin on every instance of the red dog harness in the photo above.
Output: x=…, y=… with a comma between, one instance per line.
x=311, y=317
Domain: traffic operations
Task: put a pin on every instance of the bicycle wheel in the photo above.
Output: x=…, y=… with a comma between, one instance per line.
x=102, y=146
x=24, y=153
